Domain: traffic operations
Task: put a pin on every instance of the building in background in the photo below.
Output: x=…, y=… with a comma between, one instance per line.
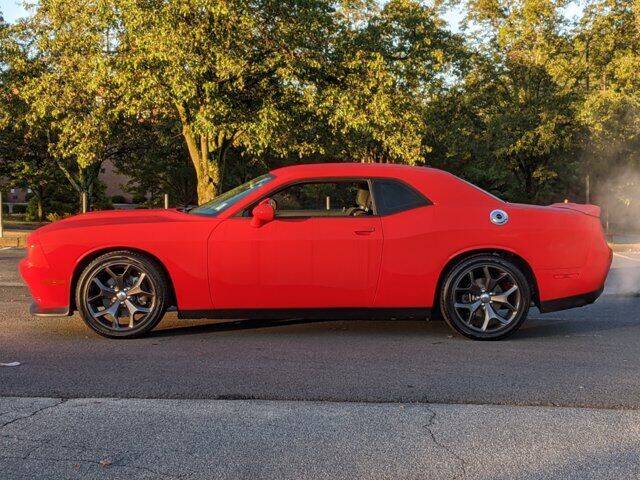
x=15, y=200
x=114, y=182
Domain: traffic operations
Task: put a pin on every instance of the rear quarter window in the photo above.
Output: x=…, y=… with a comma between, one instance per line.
x=392, y=196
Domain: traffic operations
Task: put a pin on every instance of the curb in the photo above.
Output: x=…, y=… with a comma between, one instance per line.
x=17, y=242
x=14, y=238
x=624, y=247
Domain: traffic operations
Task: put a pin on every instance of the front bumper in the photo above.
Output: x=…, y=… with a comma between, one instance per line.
x=48, y=290
x=37, y=311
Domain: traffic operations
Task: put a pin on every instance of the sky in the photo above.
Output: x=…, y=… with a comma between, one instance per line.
x=12, y=9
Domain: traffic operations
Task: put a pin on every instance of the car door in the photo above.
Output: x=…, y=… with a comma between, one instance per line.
x=322, y=250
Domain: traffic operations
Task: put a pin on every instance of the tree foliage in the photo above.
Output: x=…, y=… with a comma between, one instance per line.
x=25, y=160
x=383, y=74
x=201, y=94
x=232, y=72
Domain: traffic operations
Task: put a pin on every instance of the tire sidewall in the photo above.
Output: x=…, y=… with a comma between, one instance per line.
x=446, y=298
x=154, y=274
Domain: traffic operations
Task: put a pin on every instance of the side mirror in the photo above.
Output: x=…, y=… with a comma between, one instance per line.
x=263, y=213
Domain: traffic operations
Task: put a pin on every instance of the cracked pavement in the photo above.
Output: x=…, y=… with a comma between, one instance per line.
x=230, y=439
x=370, y=400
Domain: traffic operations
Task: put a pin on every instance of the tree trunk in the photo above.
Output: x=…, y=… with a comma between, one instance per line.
x=207, y=153
x=38, y=193
x=40, y=209
x=206, y=188
x=82, y=180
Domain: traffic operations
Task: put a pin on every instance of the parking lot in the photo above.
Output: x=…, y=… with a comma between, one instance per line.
x=392, y=398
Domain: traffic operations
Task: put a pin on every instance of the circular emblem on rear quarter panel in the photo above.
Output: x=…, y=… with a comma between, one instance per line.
x=499, y=217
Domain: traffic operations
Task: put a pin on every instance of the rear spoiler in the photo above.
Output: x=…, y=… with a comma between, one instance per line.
x=591, y=210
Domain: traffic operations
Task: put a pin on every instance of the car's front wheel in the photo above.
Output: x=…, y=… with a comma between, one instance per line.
x=122, y=294
x=485, y=297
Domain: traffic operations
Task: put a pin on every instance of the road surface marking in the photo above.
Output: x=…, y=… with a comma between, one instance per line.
x=10, y=364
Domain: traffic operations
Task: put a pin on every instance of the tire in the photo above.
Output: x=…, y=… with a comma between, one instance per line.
x=484, y=308
x=118, y=285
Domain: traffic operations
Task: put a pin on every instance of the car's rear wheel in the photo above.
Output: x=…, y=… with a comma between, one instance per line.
x=122, y=294
x=485, y=297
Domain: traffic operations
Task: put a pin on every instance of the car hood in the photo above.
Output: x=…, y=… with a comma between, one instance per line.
x=118, y=217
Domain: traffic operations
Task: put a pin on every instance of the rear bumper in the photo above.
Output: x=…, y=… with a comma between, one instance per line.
x=570, y=302
x=592, y=276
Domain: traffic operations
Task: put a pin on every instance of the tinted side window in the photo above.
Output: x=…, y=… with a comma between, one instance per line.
x=324, y=199
x=392, y=196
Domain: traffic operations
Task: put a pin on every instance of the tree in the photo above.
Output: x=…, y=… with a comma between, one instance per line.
x=524, y=106
x=388, y=66
x=25, y=160
x=73, y=97
x=230, y=71
x=607, y=59
x=526, y=135
x=161, y=164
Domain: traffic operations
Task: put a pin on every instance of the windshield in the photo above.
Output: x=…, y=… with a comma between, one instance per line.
x=227, y=199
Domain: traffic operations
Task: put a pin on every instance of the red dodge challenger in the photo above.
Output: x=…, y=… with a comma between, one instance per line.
x=324, y=241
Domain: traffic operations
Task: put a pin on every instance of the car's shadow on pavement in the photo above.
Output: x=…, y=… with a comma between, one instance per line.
x=225, y=326
x=436, y=327
x=591, y=321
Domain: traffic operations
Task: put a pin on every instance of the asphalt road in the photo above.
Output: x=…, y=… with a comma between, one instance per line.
x=354, y=400
x=584, y=357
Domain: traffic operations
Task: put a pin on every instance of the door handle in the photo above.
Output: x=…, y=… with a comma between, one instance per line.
x=365, y=232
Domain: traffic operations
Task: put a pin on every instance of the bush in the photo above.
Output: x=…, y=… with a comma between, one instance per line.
x=32, y=210
x=60, y=202
x=54, y=217
x=139, y=199
x=118, y=199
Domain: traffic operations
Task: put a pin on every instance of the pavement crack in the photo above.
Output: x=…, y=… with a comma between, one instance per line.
x=429, y=427
x=36, y=444
x=34, y=413
x=100, y=463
